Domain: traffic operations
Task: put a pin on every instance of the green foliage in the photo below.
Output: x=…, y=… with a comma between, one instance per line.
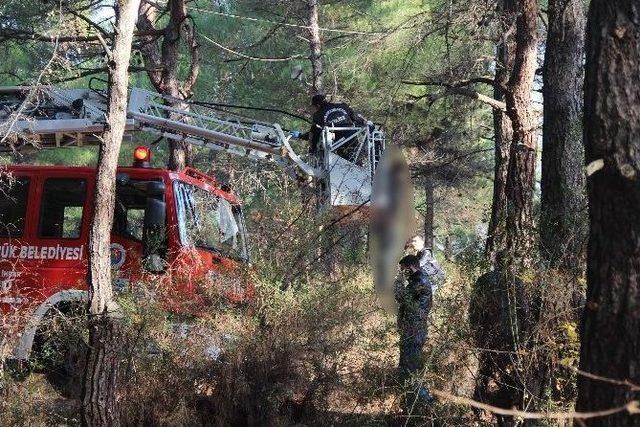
x=315, y=339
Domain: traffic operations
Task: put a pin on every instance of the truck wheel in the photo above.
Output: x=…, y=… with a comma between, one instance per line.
x=74, y=362
x=60, y=348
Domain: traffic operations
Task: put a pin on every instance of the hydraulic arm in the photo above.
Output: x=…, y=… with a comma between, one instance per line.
x=47, y=116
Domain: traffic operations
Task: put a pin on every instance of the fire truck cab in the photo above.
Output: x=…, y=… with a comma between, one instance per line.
x=177, y=231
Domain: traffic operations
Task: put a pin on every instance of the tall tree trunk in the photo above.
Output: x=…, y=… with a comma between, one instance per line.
x=315, y=46
x=519, y=190
x=502, y=138
x=522, y=153
x=100, y=404
x=563, y=217
x=163, y=64
x=428, y=215
x=610, y=340
x=180, y=152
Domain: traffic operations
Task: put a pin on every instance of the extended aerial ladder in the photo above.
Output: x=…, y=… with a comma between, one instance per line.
x=47, y=116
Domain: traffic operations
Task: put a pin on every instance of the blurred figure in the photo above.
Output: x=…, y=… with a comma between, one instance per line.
x=428, y=262
x=413, y=296
x=391, y=222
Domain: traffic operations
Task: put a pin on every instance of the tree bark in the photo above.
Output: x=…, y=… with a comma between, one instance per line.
x=610, y=340
x=315, y=46
x=101, y=381
x=163, y=62
x=563, y=217
x=517, y=247
x=522, y=152
x=502, y=135
x=99, y=404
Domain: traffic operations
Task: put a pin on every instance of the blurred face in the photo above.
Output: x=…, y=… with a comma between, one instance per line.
x=407, y=269
x=416, y=244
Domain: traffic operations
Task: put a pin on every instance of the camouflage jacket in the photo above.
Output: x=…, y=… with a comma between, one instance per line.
x=413, y=297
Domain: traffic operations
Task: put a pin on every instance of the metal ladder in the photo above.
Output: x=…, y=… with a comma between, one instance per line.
x=222, y=132
x=47, y=116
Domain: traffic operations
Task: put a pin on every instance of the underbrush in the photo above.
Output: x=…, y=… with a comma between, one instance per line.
x=317, y=353
x=296, y=354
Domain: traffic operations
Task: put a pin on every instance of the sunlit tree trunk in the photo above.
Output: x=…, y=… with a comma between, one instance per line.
x=522, y=153
x=610, y=340
x=502, y=139
x=563, y=213
x=100, y=395
x=519, y=234
x=315, y=46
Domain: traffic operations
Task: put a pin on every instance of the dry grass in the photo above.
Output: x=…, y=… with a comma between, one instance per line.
x=320, y=352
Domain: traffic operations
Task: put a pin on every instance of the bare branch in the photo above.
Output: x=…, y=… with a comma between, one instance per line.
x=94, y=71
x=494, y=103
x=631, y=408
x=462, y=83
x=105, y=46
x=26, y=35
x=92, y=24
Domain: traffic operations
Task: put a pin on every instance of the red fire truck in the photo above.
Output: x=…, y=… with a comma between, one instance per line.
x=179, y=230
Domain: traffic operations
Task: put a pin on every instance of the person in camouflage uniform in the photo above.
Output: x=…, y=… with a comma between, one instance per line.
x=428, y=262
x=413, y=296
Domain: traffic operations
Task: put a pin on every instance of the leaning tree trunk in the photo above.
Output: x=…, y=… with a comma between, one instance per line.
x=610, y=341
x=519, y=190
x=502, y=141
x=522, y=152
x=100, y=394
x=315, y=46
x=563, y=213
x=163, y=64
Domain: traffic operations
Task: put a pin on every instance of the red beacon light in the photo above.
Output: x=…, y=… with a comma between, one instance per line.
x=142, y=157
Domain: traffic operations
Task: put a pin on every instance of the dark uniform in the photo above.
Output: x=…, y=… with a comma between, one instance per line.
x=334, y=115
x=414, y=304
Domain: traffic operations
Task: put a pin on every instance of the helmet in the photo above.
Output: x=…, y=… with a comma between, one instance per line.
x=318, y=99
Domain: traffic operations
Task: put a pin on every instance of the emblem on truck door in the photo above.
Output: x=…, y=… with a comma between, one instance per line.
x=118, y=256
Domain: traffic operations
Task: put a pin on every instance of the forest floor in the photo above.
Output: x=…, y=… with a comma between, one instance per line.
x=322, y=357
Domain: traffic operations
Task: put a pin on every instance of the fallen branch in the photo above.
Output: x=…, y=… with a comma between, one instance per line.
x=632, y=408
x=625, y=383
x=462, y=88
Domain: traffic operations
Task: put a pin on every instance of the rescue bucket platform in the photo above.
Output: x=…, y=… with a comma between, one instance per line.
x=46, y=116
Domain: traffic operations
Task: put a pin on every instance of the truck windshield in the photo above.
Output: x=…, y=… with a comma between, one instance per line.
x=209, y=222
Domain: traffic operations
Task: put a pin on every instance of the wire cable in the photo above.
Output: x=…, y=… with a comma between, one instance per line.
x=286, y=24
x=246, y=107
x=245, y=56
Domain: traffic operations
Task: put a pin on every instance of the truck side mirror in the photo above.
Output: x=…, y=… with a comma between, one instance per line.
x=122, y=179
x=154, y=246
